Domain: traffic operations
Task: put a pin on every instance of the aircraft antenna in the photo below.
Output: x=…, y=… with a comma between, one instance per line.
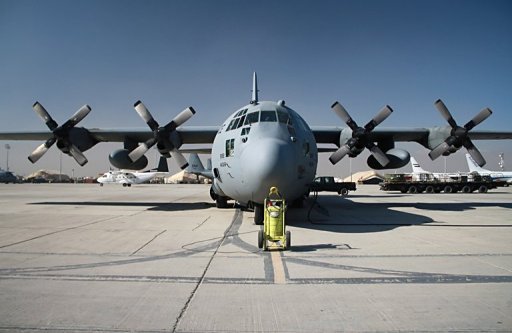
x=255, y=90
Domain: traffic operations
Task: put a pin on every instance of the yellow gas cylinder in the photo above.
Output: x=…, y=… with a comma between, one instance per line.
x=275, y=222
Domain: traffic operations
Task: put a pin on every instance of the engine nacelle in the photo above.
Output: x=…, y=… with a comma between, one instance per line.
x=119, y=159
x=397, y=159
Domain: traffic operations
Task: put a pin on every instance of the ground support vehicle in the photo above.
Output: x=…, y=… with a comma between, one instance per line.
x=274, y=224
x=419, y=183
x=328, y=184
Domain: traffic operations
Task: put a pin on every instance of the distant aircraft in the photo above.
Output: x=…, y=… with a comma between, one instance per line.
x=505, y=176
x=418, y=170
x=127, y=178
x=196, y=167
x=7, y=177
x=260, y=145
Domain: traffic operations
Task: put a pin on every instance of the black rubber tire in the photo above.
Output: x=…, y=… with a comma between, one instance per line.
x=466, y=189
x=429, y=189
x=221, y=202
x=412, y=190
x=260, y=239
x=288, y=240
x=258, y=214
x=448, y=189
x=482, y=189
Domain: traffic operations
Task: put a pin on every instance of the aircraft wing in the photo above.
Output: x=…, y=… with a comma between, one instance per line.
x=193, y=134
x=324, y=134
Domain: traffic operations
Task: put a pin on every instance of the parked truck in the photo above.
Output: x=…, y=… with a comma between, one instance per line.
x=329, y=184
x=419, y=183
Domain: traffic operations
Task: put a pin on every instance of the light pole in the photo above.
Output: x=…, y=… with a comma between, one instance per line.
x=7, y=148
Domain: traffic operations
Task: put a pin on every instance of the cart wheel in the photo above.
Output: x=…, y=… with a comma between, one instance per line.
x=288, y=240
x=260, y=239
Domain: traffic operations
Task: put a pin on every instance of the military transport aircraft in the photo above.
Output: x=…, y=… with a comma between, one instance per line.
x=196, y=167
x=260, y=145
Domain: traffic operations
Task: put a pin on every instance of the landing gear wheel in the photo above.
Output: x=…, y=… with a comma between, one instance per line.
x=258, y=214
x=260, y=239
x=221, y=202
x=288, y=240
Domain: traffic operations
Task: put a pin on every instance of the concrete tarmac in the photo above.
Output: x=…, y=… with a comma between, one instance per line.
x=162, y=258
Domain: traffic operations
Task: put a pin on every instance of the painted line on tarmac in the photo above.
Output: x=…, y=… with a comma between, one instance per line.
x=277, y=264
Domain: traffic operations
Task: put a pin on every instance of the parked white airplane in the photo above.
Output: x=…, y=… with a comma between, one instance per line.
x=505, y=176
x=127, y=177
x=418, y=170
x=261, y=145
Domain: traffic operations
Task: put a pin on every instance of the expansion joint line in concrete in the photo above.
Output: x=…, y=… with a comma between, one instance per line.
x=236, y=218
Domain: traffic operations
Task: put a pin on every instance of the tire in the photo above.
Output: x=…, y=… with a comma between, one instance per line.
x=258, y=214
x=412, y=190
x=466, y=189
x=288, y=240
x=343, y=192
x=429, y=189
x=260, y=239
x=221, y=202
x=448, y=189
x=403, y=190
x=482, y=189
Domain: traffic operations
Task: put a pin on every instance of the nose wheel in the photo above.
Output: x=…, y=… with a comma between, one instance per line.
x=258, y=214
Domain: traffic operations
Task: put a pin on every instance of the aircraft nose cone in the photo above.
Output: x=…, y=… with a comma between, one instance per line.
x=269, y=163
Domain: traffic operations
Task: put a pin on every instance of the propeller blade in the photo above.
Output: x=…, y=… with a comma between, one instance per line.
x=145, y=115
x=77, y=117
x=180, y=159
x=439, y=150
x=183, y=116
x=41, y=111
x=379, y=155
x=474, y=152
x=445, y=113
x=77, y=155
x=41, y=150
x=138, y=152
x=339, y=154
x=343, y=114
x=481, y=116
x=379, y=118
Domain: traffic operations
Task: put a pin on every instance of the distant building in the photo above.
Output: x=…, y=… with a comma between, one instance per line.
x=47, y=176
x=365, y=177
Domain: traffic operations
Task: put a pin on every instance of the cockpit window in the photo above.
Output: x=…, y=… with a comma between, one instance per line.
x=268, y=116
x=284, y=117
x=251, y=118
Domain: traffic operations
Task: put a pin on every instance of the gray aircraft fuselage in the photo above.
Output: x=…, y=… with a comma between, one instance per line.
x=261, y=145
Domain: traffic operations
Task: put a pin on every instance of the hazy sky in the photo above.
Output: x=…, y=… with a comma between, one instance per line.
x=172, y=54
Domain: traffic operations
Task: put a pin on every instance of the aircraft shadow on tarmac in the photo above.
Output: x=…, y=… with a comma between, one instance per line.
x=152, y=206
x=335, y=214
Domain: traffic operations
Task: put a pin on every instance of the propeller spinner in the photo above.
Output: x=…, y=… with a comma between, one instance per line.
x=60, y=134
x=161, y=135
x=459, y=135
x=360, y=139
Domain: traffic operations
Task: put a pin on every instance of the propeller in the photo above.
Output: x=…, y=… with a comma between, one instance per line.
x=459, y=135
x=161, y=135
x=60, y=134
x=360, y=139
